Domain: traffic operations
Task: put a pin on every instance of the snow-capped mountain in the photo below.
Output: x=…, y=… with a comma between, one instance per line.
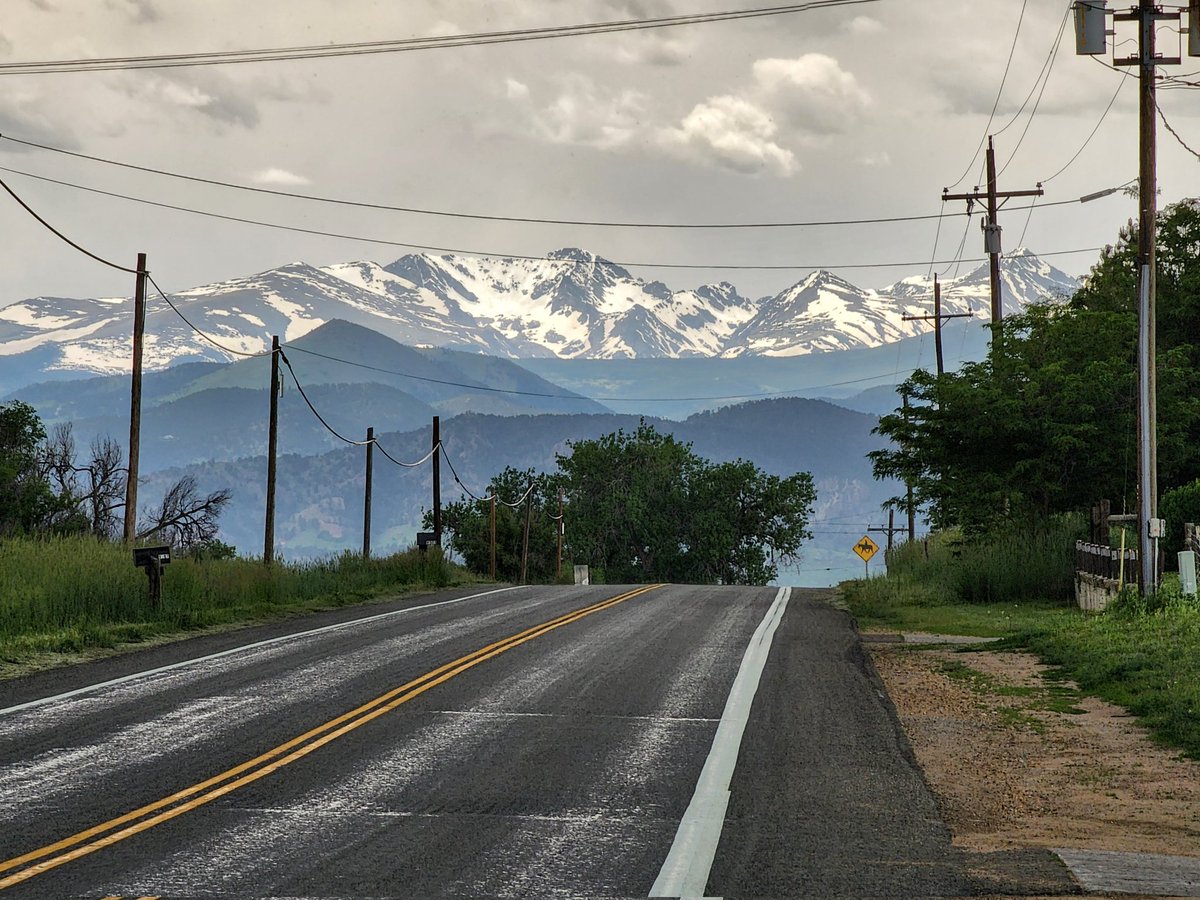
x=571, y=304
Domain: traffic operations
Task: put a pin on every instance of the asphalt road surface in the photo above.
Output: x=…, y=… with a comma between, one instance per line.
x=528, y=742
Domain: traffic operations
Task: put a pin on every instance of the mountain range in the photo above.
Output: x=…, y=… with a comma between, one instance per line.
x=569, y=305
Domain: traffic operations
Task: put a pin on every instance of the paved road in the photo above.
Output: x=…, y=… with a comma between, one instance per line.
x=539, y=742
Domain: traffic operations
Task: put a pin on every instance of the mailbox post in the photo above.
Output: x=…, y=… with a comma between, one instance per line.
x=152, y=560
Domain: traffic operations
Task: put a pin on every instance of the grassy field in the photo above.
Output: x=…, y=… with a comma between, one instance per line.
x=1142, y=656
x=72, y=595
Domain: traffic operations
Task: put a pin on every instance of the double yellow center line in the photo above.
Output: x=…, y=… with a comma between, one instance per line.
x=118, y=829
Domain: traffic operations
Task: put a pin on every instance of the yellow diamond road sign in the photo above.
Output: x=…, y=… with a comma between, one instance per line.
x=866, y=548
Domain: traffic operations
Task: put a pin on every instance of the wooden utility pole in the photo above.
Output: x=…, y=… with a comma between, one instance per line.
x=937, y=319
x=493, y=566
x=991, y=227
x=367, y=496
x=1147, y=15
x=561, y=529
x=909, y=505
x=135, y=401
x=890, y=530
x=525, y=544
x=272, y=450
x=437, y=480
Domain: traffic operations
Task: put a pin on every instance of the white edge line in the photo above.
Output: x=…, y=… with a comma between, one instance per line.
x=685, y=871
x=241, y=649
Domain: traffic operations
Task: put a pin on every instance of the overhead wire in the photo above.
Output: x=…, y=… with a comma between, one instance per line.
x=1045, y=81
x=62, y=237
x=222, y=347
x=1049, y=62
x=507, y=255
x=1175, y=134
x=366, y=48
x=1088, y=140
x=359, y=204
x=999, y=94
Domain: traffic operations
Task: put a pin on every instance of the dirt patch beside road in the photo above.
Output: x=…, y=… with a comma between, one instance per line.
x=1017, y=759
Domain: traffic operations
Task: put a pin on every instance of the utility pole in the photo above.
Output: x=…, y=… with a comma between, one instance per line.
x=135, y=401
x=937, y=319
x=272, y=451
x=1091, y=40
x=909, y=505
x=561, y=529
x=437, y=480
x=991, y=227
x=525, y=546
x=367, y=496
x=890, y=530
x=493, y=566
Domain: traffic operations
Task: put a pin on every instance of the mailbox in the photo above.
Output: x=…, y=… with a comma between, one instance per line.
x=425, y=539
x=145, y=557
x=152, y=560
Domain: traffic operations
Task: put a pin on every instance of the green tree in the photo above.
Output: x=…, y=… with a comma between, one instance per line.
x=1046, y=423
x=645, y=507
x=519, y=493
x=26, y=499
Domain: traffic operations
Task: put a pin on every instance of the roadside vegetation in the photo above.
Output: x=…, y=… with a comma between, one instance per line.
x=1003, y=456
x=73, y=594
x=1141, y=654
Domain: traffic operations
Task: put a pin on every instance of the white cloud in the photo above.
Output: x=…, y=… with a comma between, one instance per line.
x=584, y=114
x=878, y=160
x=733, y=133
x=813, y=92
x=864, y=25
x=516, y=90
x=280, y=177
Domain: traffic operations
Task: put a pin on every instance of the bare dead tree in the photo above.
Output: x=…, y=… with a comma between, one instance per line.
x=184, y=518
x=106, y=486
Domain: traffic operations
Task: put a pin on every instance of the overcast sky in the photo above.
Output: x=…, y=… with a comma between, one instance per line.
x=854, y=112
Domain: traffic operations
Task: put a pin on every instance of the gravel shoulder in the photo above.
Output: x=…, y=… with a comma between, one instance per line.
x=1018, y=759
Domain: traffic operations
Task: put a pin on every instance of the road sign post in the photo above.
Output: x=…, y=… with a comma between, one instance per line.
x=866, y=548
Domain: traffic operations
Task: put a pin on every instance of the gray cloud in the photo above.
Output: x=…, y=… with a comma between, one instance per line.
x=144, y=12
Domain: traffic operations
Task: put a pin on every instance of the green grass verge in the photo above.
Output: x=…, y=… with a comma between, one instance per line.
x=68, y=596
x=1146, y=662
x=1143, y=657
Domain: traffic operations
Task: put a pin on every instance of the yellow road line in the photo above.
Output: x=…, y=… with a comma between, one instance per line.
x=262, y=765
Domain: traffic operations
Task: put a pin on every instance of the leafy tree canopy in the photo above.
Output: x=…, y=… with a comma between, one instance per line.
x=639, y=507
x=1047, y=422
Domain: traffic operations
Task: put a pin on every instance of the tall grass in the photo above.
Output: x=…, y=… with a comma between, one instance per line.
x=1009, y=567
x=68, y=594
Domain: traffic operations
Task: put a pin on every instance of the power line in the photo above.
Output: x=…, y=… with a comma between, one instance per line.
x=1174, y=133
x=62, y=237
x=1050, y=57
x=365, y=48
x=596, y=399
x=342, y=437
x=999, y=94
x=359, y=204
x=1048, y=68
x=1083, y=146
x=527, y=257
x=203, y=334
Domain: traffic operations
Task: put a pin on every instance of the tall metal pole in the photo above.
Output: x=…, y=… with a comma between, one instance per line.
x=272, y=450
x=437, y=480
x=135, y=401
x=1147, y=228
x=367, y=496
